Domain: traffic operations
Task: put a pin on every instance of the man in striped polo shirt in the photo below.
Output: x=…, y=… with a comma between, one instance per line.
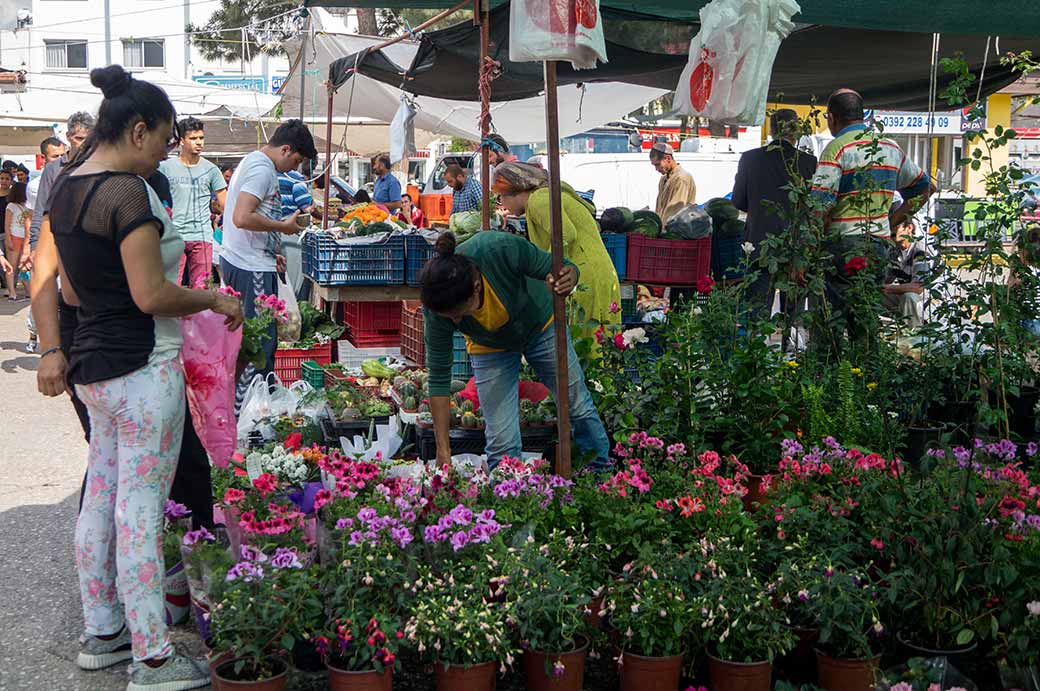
x=857, y=178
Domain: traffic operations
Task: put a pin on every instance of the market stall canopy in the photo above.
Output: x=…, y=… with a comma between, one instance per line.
x=520, y=120
x=889, y=68
x=51, y=98
x=1020, y=19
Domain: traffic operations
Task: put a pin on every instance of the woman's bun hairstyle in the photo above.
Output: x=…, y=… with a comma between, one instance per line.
x=113, y=81
x=445, y=245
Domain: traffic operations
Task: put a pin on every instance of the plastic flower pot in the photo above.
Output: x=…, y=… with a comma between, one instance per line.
x=365, y=680
x=461, y=678
x=544, y=674
x=224, y=678
x=739, y=676
x=641, y=673
x=756, y=495
x=836, y=674
x=959, y=656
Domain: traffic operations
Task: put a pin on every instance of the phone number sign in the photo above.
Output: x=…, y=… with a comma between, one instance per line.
x=904, y=122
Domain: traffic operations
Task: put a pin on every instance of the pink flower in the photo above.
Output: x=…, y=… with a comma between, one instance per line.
x=878, y=544
x=265, y=484
x=619, y=341
x=233, y=495
x=146, y=465
x=146, y=572
x=614, y=308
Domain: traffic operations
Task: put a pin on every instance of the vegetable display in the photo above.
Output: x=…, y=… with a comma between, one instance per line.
x=617, y=220
x=646, y=223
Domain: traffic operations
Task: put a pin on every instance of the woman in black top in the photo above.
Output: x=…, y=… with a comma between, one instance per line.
x=118, y=256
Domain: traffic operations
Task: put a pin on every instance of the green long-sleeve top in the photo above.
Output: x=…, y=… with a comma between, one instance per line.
x=516, y=271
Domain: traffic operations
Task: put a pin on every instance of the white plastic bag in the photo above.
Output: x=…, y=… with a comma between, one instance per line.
x=265, y=400
x=570, y=30
x=731, y=59
x=289, y=330
x=402, y=131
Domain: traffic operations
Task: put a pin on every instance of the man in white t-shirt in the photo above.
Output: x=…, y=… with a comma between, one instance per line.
x=250, y=254
x=52, y=149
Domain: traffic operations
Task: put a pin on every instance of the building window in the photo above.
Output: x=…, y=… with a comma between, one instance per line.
x=66, y=55
x=144, y=53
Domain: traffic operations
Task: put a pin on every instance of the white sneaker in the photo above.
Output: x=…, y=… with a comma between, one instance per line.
x=178, y=673
x=96, y=653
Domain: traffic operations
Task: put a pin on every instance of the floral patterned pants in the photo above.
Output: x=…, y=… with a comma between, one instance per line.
x=136, y=425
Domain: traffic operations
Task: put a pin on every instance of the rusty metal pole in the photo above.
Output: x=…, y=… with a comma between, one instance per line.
x=480, y=15
x=552, y=139
x=328, y=160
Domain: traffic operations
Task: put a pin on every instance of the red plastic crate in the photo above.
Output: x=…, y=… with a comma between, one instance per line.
x=373, y=324
x=288, y=361
x=413, y=342
x=668, y=262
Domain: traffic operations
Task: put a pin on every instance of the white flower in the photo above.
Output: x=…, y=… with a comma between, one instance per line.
x=597, y=386
x=1034, y=608
x=634, y=336
x=748, y=248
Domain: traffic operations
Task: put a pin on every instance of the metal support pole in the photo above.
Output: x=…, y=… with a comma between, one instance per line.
x=480, y=15
x=328, y=160
x=552, y=139
x=301, y=65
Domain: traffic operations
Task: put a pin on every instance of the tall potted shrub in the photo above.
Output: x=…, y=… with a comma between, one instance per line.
x=547, y=601
x=845, y=606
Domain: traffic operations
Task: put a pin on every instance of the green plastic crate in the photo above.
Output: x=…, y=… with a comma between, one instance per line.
x=312, y=373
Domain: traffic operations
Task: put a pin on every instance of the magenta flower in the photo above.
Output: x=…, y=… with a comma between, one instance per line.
x=193, y=537
x=459, y=540
x=246, y=571
x=285, y=558
x=174, y=511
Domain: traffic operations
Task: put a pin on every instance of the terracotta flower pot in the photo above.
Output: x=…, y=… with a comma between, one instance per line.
x=214, y=662
x=739, y=676
x=224, y=678
x=473, y=678
x=367, y=680
x=539, y=668
x=836, y=674
x=641, y=673
x=756, y=495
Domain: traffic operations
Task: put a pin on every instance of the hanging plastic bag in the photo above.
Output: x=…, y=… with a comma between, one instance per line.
x=209, y=354
x=256, y=406
x=731, y=59
x=402, y=131
x=289, y=330
x=568, y=30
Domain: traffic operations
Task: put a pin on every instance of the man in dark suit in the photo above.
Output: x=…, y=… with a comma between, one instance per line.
x=759, y=189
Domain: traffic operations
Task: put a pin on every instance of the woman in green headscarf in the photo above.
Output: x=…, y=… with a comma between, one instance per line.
x=524, y=191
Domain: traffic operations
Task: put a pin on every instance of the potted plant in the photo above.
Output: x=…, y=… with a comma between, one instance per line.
x=264, y=604
x=742, y=632
x=206, y=557
x=177, y=522
x=459, y=623
x=547, y=602
x=650, y=614
x=845, y=606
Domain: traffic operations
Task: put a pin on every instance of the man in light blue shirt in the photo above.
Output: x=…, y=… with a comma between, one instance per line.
x=387, y=191
x=193, y=183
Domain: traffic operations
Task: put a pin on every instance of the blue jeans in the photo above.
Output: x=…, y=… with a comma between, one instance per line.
x=497, y=377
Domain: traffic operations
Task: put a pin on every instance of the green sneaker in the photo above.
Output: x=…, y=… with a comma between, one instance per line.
x=96, y=653
x=178, y=673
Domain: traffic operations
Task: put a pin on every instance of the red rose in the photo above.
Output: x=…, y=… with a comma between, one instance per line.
x=855, y=265
x=704, y=285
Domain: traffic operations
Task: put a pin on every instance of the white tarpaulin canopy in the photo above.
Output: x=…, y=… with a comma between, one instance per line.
x=53, y=98
x=521, y=121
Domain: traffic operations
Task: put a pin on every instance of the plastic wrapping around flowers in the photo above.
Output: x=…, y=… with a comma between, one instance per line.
x=209, y=354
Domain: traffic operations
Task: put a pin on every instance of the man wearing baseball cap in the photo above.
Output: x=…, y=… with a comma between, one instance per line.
x=676, y=189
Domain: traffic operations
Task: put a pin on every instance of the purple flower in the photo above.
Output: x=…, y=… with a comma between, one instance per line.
x=249, y=553
x=174, y=511
x=192, y=537
x=1033, y=521
x=936, y=453
x=1031, y=449
x=402, y=536
x=344, y=523
x=433, y=533
x=461, y=515
x=356, y=538
x=480, y=533
x=961, y=455
x=486, y=516
x=366, y=515
x=285, y=558
x=408, y=516
x=459, y=540
x=246, y=571
x=791, y=447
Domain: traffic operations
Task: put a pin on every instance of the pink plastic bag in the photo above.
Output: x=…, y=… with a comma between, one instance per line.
x=209, y=353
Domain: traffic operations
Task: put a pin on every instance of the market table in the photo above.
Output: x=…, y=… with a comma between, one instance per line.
x=376, y=293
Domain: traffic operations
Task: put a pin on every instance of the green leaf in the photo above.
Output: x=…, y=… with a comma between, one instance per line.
x=965, y=637
x=288, y=641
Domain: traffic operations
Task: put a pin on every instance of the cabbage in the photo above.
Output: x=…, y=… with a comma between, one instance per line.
x=465, y=222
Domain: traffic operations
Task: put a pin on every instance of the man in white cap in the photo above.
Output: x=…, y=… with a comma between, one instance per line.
x=676, y=189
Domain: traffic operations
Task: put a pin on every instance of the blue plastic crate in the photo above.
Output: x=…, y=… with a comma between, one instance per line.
x=333, y=263
x=727, y=256
x=417, y=251
x=617, y=248
x=461, y=369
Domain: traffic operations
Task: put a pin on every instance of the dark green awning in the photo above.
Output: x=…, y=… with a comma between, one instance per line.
x=999, y=18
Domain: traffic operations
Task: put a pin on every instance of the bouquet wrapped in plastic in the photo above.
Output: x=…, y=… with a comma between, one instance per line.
x=210, y=353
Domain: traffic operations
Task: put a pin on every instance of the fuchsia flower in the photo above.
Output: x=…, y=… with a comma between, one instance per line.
x=265, y=484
